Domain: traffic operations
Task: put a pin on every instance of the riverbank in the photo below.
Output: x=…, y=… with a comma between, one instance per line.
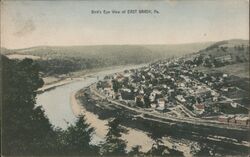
x=180, y=136
x=53, y=82
x=62, y=108
x=133, y=137
x=100, y=125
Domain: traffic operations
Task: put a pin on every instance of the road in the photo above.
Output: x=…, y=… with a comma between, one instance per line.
x=160, y=118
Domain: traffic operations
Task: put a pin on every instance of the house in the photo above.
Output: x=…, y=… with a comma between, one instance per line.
x=199, y=108
x=139, y=98
x=231, y=119
x=156, y=91
x=108, y=89
x=224, y=58
x=170, y=104
x=225, y=75
x=223, y=119
x=153, y=105
x=125, y=90
x=227, y=119
x=201, y=91
x=233, y=104
x=119, y=77
x=141, y=91
x=152, y=97
x=161, y=102
x=224, y=89
x=215, y=98
x=180, y=98
x=106, y=85
x=242, y=120
x=181, y=84
x=116, y=96
x=213, y=93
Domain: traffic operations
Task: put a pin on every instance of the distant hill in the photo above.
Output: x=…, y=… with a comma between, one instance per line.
x=131, y=53
x=4, y=50
x=55, y=60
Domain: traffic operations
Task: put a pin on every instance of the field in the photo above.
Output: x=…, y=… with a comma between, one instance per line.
x=239, y=69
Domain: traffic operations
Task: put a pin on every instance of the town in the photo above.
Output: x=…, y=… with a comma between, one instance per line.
x=175, y=88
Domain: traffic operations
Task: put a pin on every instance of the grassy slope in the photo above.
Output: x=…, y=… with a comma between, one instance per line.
x=238, y=69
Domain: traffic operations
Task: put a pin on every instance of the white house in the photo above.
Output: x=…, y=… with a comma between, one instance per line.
x=180, y=98
x=161, y=102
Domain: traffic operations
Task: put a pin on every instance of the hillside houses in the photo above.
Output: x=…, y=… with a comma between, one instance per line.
x=168, y=84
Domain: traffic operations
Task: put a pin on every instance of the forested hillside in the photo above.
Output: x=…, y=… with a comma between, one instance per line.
x=65, y=59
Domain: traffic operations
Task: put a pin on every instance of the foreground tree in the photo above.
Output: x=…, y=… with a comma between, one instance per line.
x=114, y=145
x=135, y=151
x=78, y=138
x=24, y=126
x=158, y=147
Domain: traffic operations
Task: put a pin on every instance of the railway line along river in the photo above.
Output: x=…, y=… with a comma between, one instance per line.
x=61, y=108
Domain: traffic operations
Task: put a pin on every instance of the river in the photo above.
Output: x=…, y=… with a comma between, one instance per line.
x=58, y=108
x=56, y=102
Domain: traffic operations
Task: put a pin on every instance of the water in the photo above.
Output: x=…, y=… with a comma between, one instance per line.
x=56, y=102
x=57, y=106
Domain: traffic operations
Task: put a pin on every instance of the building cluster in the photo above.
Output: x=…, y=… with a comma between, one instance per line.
x=166, y=84
x=235, y=119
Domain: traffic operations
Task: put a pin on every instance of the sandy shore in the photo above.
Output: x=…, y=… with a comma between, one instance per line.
x=52, y=82
x=56, y=84
x=100, y=125
x=133, y=137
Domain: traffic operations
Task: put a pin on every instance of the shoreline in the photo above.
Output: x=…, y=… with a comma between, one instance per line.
x=78, y=75
x=100, y=126
x=78, y=110
x=101, y=129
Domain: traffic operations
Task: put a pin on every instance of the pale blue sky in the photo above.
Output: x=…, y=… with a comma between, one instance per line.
x=33, y=23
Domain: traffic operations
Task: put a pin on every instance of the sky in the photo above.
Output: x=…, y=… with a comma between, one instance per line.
x=35, y=23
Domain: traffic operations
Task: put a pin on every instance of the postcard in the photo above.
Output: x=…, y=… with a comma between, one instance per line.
x=125, y=78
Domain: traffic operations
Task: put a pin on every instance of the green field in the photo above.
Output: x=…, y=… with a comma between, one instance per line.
x=239, y=69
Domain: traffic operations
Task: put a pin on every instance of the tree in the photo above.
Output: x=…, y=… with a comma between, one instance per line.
x=158, y=147
x=114, y=145
x=139, y=102
x=135, y=151
x=78, y=138
x=24, y=126
x=147, y=101
x=26, y=131
x=116, y=85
